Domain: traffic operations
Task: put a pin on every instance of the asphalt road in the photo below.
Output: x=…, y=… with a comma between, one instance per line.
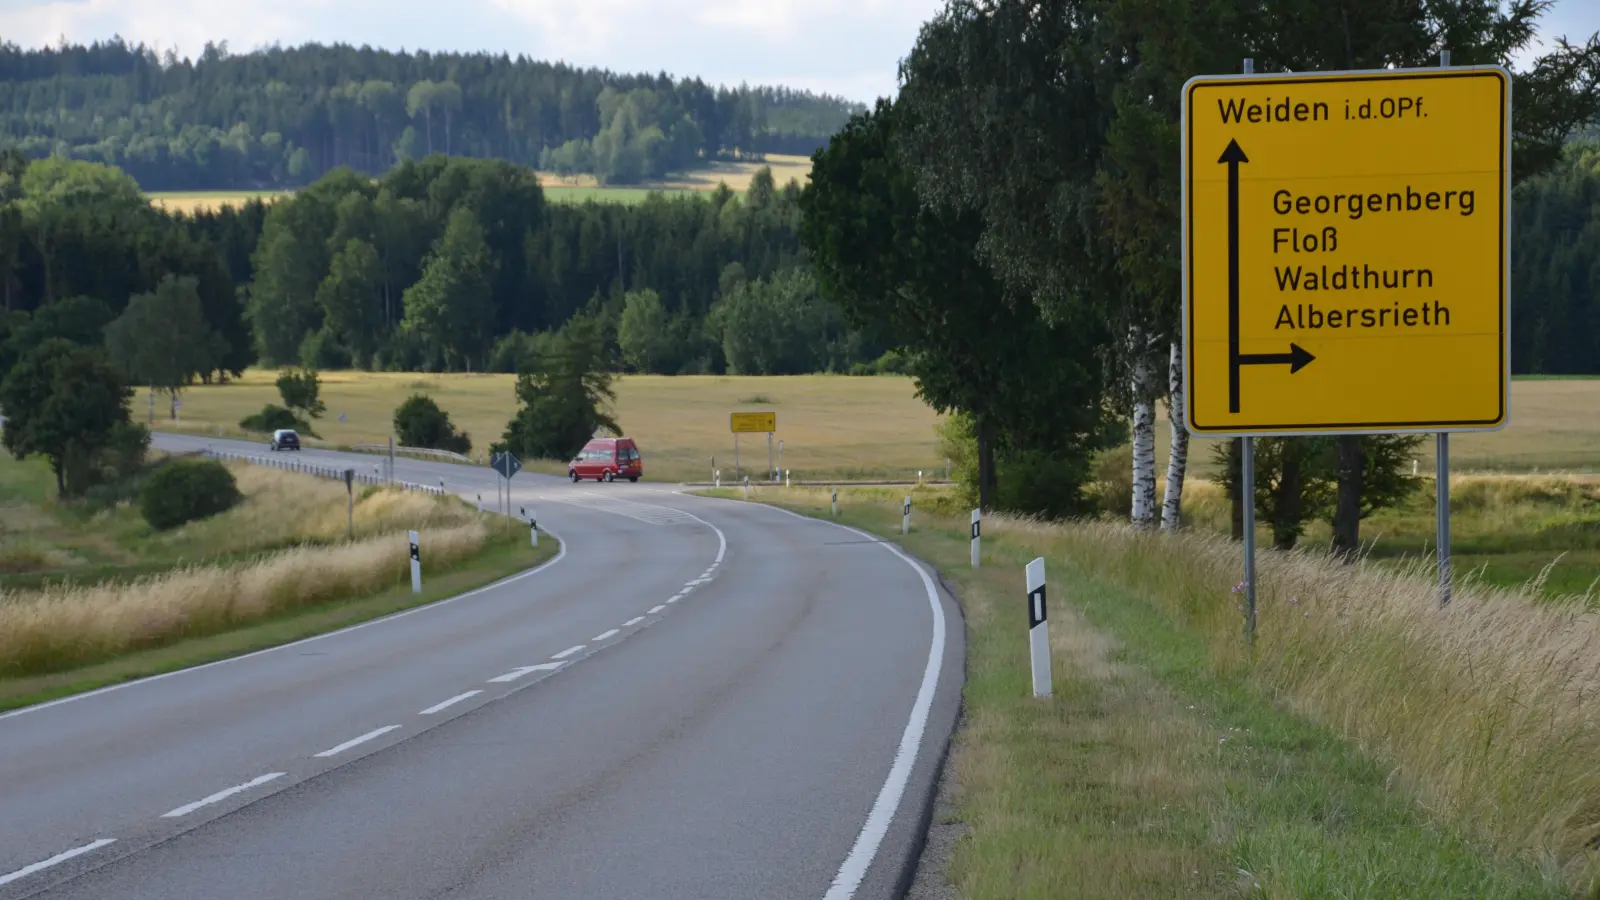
x=695, y=699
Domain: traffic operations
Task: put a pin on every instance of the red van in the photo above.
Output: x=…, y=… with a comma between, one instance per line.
x=607, y=459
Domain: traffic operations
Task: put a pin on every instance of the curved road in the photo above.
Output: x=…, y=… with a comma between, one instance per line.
x=696, y=699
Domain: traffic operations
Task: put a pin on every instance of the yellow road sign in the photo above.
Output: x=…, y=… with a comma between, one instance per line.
x=1345, y=252
x=753, y=423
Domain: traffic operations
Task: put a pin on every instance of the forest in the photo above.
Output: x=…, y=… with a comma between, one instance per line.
x=444, y=264
x=283, y=117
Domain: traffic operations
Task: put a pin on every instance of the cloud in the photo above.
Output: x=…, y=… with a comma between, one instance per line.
x=846, y=47
x=851, y=48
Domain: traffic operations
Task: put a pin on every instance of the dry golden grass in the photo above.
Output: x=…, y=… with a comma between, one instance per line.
x=831, y=425
x=63, y=627
x=192, y=202
x=736, y=175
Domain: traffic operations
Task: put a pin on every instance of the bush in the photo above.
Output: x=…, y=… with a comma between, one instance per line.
x=272, y=417
x=419, y=422
x=123, y=455
x=185, y=491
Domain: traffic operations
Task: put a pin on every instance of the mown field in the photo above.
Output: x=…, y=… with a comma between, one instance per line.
x=90, y=594
x=1368, y=745
x=832, y=426
x=558, y=189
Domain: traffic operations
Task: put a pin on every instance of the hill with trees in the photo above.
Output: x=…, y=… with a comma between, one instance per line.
x=283, y=117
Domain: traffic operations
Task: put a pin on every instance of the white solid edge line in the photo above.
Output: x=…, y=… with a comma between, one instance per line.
x=448, y=703
x=633, y=621
x=376, y=732
x=655, y=609
x=560, y=555
x=59, y=858
x=865, y=849
x=569, y=651
x=221, y=795
x=604, y=634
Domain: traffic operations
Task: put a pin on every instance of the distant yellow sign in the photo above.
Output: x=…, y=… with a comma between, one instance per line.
x=754, y=423
x=1345, y=252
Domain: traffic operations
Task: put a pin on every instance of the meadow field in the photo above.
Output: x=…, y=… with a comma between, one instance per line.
x=558, y=188
x=832, y=426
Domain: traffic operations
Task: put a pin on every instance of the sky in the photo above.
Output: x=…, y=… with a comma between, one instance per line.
x=849, y=48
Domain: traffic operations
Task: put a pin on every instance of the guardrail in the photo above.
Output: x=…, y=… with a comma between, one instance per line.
x=418, y=451
x=335, y=473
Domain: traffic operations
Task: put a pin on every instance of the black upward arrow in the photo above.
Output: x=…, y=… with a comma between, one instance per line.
x=1297, y=358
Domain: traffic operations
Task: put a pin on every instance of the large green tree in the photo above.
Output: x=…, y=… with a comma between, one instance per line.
x=162, y=340
x=450, y=308
x=564, y=396
x=65, y=402
x=1030, y=387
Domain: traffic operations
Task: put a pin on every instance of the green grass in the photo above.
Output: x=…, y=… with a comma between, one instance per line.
x=1157, y=771
x=501, y=558
x=1505, y=531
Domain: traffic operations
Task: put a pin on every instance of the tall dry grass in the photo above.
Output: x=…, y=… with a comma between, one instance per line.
x=288, y=508
x=67, y=625
x=63, y=627
x=1486, y=709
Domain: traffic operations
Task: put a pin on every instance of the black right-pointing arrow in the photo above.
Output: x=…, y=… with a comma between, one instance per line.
x=1297, y=358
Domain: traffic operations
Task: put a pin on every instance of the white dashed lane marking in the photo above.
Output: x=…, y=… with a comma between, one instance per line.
x=376, y=732
x=448, y=703
x=633, y=621
x=604, y=635
x=221, y=795
x=59, y=858
x=569, y=651
x=514, y=674
x=655, y=609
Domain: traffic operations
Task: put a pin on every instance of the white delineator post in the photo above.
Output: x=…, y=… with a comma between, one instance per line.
x=905, y=518
x=836, y=503
x=976, y=518
x=1038, y=629
x=416, y=566
x=786, y=482
x=747, y=487
x=533, y=524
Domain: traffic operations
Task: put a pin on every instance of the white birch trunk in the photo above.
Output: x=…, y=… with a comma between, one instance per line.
x=1144, y=438
x=1172, y=504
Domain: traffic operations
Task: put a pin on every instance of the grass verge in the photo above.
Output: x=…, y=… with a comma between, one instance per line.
x=498, y=557
x=1369, y=747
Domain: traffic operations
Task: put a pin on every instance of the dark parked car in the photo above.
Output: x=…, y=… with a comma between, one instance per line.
x=285, y=439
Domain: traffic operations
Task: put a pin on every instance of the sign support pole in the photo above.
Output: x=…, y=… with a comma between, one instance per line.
x=737, y=471
x=1247, y=488
x=1442, y=478
x=772, y=474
